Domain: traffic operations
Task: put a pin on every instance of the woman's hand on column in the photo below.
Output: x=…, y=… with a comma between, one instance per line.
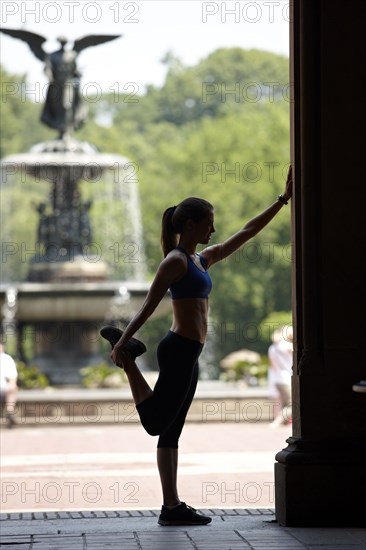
x=287, y=194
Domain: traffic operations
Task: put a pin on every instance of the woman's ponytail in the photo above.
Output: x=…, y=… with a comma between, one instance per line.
x=168, y=234
x=176, y=217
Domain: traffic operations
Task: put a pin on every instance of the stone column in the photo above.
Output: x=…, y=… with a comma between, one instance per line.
x=320, y=477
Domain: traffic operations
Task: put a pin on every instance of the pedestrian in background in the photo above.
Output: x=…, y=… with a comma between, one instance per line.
x=8, y=385
x=280, y=372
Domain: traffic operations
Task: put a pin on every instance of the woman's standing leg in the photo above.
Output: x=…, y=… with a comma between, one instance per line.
x=167, y=459
x=167, y=452
x=163, y=412
x=175, y=512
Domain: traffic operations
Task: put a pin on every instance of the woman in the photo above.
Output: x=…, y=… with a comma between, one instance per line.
x=280, y=366
x=163, y=410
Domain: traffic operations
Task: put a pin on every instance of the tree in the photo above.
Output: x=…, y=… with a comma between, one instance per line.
x=192, y=138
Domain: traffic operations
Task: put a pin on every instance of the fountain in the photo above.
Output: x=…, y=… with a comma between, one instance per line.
x=68, y=293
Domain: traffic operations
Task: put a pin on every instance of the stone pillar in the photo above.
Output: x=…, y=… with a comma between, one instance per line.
x=320, y=477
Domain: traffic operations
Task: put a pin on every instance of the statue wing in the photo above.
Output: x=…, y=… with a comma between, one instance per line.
x=93, y=40
x=33, y=40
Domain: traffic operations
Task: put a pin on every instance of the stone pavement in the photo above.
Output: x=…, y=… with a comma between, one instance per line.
x=113, y=467
x=231, y=529
x=226, y=457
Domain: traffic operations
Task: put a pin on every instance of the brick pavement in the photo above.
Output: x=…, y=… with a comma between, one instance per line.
x=231, y=529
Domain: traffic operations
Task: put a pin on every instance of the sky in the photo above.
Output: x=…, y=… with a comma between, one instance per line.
x=190, y=29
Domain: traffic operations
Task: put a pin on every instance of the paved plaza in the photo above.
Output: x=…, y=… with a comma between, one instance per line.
x=97, y=487
x=252, y=528
x=113, y=467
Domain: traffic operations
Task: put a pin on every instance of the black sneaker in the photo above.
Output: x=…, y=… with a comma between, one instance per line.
x=113, y=334
x=182, y=515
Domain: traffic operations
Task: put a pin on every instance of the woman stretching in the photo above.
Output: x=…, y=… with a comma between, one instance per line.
x=163, y=410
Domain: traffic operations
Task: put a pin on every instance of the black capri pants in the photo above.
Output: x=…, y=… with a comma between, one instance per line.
x=164, y=413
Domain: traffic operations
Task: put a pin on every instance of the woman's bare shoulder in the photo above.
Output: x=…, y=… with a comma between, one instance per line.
x=175, y=263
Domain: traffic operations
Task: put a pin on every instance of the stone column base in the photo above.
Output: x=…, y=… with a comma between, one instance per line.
x=321, y=484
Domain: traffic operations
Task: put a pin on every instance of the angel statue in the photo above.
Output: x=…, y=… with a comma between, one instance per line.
x=63, y=109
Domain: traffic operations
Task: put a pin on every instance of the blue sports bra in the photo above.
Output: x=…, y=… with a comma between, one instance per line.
x=195, y=283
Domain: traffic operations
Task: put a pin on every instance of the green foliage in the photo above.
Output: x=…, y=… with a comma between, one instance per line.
x=30, y=378
x=227, y=79
x=20, y=126
x=103, y=376
x=190, y=137
x=244, y=371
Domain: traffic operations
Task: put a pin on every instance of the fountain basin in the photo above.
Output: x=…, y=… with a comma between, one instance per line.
x=83, y=301
x=63, y=321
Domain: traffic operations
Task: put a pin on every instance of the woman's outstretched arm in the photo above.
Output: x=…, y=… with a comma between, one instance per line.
x=218, y=252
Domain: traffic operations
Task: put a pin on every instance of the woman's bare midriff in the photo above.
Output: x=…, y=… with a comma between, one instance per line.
x=190, y=318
